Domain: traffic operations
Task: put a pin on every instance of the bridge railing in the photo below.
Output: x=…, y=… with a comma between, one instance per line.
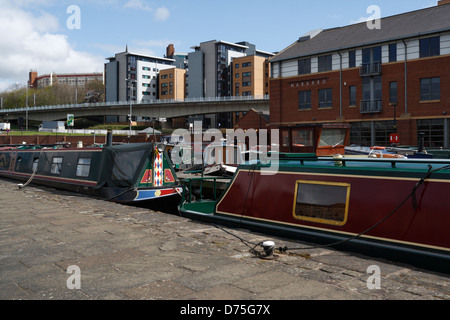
x=123, y=103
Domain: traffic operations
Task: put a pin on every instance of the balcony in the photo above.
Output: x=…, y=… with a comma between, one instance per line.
x=370, y=69
x=371, y=106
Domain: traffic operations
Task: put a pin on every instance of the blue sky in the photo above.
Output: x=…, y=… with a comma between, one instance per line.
x=35, y=33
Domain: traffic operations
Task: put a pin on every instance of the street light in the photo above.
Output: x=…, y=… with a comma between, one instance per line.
x=131, y=98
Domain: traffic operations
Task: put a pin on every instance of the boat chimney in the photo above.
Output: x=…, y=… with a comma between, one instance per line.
x=109, y=138
x=421, y=142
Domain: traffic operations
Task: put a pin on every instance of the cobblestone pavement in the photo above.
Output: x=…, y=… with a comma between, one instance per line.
x=131, y=253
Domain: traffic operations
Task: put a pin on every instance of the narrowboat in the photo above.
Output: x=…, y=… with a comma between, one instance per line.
x=392, y=208
x=139, y=173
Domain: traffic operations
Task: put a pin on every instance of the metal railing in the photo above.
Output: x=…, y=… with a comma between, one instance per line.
x=370, y=69
x=371, y=106
x=143, y=102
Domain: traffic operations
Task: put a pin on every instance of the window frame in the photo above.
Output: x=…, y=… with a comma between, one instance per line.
x=430, y=47
x=306, y=103
x=430, y=93
x=325, y=63
x=328, y=103
x=56, y=166
x=304, y=66
x=320, y=220
x=83, y=165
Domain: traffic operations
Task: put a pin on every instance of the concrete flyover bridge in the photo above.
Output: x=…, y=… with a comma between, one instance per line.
x=151, y=108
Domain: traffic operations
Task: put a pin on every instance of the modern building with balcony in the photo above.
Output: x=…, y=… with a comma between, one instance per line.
x=395, y=79
x=211, y=75
x=133, y=77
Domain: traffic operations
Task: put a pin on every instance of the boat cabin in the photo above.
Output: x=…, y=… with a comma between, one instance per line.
x=321, y=139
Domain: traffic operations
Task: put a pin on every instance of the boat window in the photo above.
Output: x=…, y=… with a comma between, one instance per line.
x=302, y=138
x=83, y=167
x=285, y=139
x=332, y=137
x=323, y=202
x=35, y=164
x=56, y=165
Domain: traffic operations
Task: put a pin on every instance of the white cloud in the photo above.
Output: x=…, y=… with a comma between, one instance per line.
x=31, y=41
x=160, y=14
x=360, y=20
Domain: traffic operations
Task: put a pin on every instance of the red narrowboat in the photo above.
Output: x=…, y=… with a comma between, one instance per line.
x=393, y=208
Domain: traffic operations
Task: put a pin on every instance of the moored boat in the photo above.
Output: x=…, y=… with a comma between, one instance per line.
x=129, y=173
x=392, y=208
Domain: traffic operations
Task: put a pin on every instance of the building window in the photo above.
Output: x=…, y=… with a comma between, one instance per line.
x=83, y=167
x=247, y=74
x=246, y=84
x=56, y=165
x=361, y=133
x=326, y=98
x=322, y=202
x=430, y=47
x=393, y=92
x=434, y=130
x=304, y=100
x=393, y=52
x=236, y=75
x=382, y=131
x=304, y=66
x=430, y=89
x=371, y=94
x=352, y=93
x=325, y=63
x=352, y=59
x=246, y=64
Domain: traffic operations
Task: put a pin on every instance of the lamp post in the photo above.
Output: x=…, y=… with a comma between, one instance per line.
x=131, y=98
x=394, y=139
x=394, y=104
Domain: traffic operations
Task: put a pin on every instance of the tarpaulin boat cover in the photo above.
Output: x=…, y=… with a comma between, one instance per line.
x=122, y=165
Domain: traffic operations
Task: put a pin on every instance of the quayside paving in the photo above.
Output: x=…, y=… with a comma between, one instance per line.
x=131, y=253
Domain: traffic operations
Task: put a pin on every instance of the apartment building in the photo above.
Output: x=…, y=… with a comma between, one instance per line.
x=172, y=84
x=250, y=76
x=395, y=79
x=133, y=77
x=211, y=74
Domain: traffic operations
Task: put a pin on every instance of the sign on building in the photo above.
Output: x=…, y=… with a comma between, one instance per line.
x=70, y=120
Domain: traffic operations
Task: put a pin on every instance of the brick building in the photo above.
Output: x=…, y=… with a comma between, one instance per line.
x=380, y=81
x=72, y=79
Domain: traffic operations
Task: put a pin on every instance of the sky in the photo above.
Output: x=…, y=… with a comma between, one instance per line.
x=77, y=36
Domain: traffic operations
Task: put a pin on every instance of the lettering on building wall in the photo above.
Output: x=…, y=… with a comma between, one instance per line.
x=307, y=83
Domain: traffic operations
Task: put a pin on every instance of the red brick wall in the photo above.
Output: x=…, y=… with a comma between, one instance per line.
x=252, y=120
x=284, y=96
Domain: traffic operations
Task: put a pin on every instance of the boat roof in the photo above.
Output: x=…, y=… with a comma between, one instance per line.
x=296, y=162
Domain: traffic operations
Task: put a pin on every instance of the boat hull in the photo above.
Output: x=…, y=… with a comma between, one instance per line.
x=380, y=217
x=129, y=174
